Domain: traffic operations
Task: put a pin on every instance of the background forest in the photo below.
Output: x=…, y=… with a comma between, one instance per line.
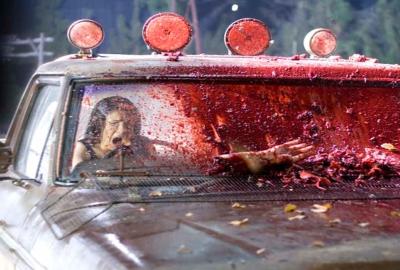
x=369, y=27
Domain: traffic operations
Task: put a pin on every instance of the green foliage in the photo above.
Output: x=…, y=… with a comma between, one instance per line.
x=311, y=14
x=214, y=40
x=50, y=21
x=372, y=30
x=121, y=39
x=155, y=6
x=389, y=30
x=127, y=36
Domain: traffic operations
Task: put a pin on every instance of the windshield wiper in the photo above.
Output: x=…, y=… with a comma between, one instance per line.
x=121, y=173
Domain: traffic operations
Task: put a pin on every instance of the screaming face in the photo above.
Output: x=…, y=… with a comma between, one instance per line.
x=118, y=130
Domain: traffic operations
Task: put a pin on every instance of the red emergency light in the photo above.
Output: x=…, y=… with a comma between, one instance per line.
x=167, y=32
x=247, y=36
x=320, y=42
x=85, y=34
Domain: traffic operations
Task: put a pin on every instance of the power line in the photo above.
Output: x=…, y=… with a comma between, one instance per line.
x=36, y=45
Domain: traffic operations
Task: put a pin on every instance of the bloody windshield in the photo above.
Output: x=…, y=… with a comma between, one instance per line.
x=299, y=134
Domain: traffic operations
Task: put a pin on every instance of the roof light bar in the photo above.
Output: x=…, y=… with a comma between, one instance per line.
x=85, y=34
x=320, y=42
x=166, y=32
x=247, y=36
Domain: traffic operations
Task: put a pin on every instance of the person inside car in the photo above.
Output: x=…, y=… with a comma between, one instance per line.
x=114, y=124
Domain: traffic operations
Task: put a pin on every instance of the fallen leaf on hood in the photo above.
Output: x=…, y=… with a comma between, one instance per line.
x=290, y=207
x=389, y=146
x=155, y=193
x=189, y=214
x=363, y=224
x=260, y=251
x=192, y=189
x=318, y=208
x=259, y=184
x=395, y=213
x=335, y=221
x=299, y=217
x=184, y=250
x=318, y=243
x=22, y=183
x=238, y=205
x=239, y=222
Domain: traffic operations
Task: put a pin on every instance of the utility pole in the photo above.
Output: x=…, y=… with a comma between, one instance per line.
x=197, y=39
x=36, y=45
x=172, y=5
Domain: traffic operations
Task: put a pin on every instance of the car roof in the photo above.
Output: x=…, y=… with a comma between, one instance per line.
x=359, y=69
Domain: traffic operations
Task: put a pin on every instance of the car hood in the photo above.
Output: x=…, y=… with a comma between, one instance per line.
x=233, y=236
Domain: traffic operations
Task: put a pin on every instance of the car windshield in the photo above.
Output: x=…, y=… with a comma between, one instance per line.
x=214, y=128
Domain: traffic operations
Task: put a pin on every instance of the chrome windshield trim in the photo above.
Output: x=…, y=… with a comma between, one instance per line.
x=19, y=250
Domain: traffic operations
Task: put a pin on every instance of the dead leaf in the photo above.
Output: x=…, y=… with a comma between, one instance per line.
x=318, y=243
x=335, y=221
x=260, y=251
x=189, y=214
x=395, y=213
x=239, y=222
x=22, y=183
x=389, y=146
x=299, y=217
x=363, y=224
x=155, y=193
x=290, y=207
x=318, y=208
x=192, y=189
x=238, y=205
x=184, y=250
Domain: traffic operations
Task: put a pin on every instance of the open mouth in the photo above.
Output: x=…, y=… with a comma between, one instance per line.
x=117, y=140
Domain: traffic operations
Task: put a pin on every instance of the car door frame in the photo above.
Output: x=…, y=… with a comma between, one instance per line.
x=14, y=193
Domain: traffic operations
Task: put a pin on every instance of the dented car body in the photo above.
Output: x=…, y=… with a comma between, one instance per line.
x=180, y=207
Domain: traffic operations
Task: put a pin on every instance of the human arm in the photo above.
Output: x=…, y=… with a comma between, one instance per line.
x=255, y=161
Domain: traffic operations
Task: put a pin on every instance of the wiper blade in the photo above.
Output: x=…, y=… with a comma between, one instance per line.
x=105, y=173
x=129, y=179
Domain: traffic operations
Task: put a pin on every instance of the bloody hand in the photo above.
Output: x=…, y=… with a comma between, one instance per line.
x=255, y=161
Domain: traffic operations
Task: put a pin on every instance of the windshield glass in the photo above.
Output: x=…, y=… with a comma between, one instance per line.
x=208, y=128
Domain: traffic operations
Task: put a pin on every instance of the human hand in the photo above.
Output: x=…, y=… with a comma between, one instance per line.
x=286, y=153
x=283, y=154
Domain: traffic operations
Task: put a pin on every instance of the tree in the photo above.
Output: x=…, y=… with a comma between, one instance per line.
x=307, y=15
x=388, y=33
x=127, y=36
x=49, y=20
